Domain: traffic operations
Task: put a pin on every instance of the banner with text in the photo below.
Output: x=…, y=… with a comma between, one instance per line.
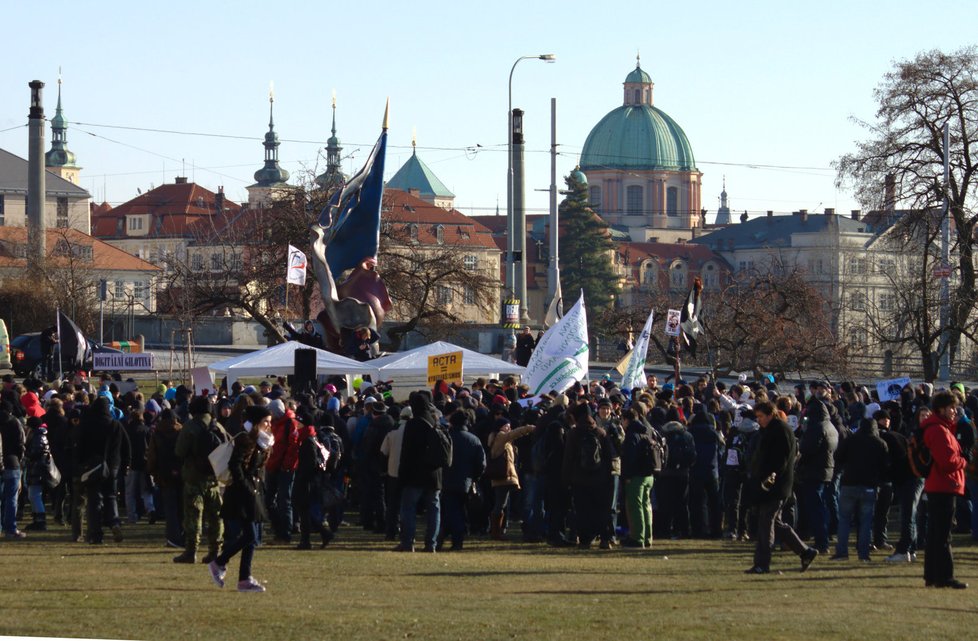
x=561, y=357
x=124, y=362
x=634, y=375
x=890, y=390
x=445, y=367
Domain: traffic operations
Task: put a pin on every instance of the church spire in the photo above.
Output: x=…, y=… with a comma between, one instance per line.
x=271, y=173
x=333, y=176
x=59, y=159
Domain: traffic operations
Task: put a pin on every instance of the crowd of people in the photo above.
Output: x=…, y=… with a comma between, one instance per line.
x=593, y=465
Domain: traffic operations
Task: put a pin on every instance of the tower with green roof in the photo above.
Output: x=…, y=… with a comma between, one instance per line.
x=640, y=166
x=333, y=177
x=59, y=160
x=415, y=177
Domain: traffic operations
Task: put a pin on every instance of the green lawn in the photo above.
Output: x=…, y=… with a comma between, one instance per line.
x=356, y=589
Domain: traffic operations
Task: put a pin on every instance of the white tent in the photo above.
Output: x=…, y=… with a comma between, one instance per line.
x=280, y=361
x=414, y=362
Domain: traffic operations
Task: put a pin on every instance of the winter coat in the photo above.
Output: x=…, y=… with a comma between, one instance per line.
x=138, y=433
x=58, y=440
x=244, y=497
x=817, y=446
x=898, y=465
x=947, y=473
x=741, y=443
x=468, y=461
x=501, y=444
x=615, y=438
x=709, y=446
x=103, y=439
x=373, y=438
x=572, y=471
x=414, y=469
x=13, y=441
x=863, y=457
x=196, y=467
x=776, y=452
x=32, y=405
x=682, y=449
x=161, y=457
x=38, y=457
x=634, y=434
x=285, y=451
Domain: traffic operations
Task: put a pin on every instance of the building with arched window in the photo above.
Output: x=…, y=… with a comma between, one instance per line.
x=640, y=168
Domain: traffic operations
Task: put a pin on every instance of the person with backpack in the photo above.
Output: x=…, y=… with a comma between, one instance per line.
x=162, y=463
x=282, y=462
x=310, y=472
x=420, y=472
x=815, y=469
x=468, y=464
x=608, y=420
x=104, y=453
x=201, y=493
x=945, y=482
x=244, y=503
x=907, y=489
x=736, y=460
x=672, y=486
x=704, y=486
x=587, y=470
x=863, y=459
x=772, y=470
x=638, y=463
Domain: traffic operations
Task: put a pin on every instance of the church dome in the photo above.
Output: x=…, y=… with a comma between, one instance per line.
x=637, y=75
x=637, y=137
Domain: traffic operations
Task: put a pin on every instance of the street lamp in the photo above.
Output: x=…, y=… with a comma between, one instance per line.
x=512, y=242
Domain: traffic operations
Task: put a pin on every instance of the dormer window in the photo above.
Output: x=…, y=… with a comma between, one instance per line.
x=134, y=223
x=413, y=232
x=440, y=234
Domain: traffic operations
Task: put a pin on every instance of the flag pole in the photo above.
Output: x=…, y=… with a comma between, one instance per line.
x=675, y=382
x=57, y=328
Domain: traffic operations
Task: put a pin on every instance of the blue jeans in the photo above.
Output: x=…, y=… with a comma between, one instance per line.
x=8, y=500
x=410, y=498
x=856, y=501
x=245, y=542
x=813, y=498
x=534, y=515
x=908, y=495
x=281, y=512
x=36, y=495
x=137, y=486
x=972, y=485
x=453, y=507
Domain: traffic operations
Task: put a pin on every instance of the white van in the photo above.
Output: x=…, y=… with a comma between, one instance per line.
x=4, y=347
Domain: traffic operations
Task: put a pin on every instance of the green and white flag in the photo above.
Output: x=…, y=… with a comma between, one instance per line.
x=560, y=358
x=634, y=375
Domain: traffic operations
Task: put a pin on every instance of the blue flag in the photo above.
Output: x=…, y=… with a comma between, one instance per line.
x=354, y=212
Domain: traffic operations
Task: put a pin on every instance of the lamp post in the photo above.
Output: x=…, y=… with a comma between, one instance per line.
x=512, y=243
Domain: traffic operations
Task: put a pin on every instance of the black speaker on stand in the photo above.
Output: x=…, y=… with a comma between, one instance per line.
x=304, y=379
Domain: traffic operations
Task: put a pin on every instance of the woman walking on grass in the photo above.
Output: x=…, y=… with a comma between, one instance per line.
x=244, y=498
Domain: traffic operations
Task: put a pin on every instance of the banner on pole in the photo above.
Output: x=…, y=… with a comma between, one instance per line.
x=561, y=357
x=296, y=274
x=673, y=318
x=446, y=367
x=634, y=374
x=126, y=362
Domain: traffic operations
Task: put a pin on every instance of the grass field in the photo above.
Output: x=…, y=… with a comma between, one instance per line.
x=357, y=589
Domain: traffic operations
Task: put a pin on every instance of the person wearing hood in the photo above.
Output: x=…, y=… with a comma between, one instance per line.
x=500, y=441
x=37, y=463
x=587, y=469
x=31, y=403
x=244, y=501
x=57, y=423
x=138, y=482
x=816, y=467
x=943, y=485
x=704, y=485
x=420, y=480
x=672, y=486
x=736, y=461
x=637, y=469
x=863, y=459
x=104, y=454
x=468, y=464
x=390, y=448
x=12, y=444
x=162, y=463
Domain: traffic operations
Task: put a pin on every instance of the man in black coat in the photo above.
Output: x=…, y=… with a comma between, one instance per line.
x=524, y=347
x=12, y=442
x=815, y=469
x=772, y=470
x=420, y=481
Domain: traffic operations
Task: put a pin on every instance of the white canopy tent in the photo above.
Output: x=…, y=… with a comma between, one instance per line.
x=414, y=363
x=280, y=361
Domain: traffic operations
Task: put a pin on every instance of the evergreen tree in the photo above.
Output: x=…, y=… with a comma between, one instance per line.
x=586, y=249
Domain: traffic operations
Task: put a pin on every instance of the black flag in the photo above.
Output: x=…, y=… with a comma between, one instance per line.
x=689, y=321
x=73, y=344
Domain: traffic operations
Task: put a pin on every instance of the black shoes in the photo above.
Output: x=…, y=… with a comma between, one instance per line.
x=807, y=557
x=756, y=570
x=954, y=584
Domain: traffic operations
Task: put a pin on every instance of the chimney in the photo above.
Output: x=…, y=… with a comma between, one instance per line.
x=855, y=214
x=889, y=193
x=770, y=213
x=830, y=211
x=219, y=200
x=36, y=187
x=804, y=215
x=695, y=231
x=743, y=217
x=181, y=180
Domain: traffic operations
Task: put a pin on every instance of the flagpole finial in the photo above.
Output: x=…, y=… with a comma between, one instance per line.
x=387, y=112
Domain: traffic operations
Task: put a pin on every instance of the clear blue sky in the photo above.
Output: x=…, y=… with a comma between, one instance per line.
x=752, y=83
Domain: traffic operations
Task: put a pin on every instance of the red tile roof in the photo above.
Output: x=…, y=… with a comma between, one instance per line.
x=105, y=257
x=402, y=208
x=176, y=209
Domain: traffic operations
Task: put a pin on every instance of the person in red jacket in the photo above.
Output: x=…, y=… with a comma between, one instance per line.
x=944, y=482
x=281, y=466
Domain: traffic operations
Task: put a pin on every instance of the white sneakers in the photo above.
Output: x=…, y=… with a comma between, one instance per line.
x=250, y=585
x=217, y=573
x=901, y=557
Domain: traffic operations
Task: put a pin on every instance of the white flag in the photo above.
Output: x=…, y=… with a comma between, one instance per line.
x=553, y=311
x=561, y=357
x=296, y=274
x=634, y=375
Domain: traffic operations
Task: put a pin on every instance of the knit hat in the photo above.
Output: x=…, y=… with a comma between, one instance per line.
x=277, y=408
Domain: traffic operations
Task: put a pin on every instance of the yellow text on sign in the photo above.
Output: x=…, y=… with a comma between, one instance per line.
x=446, y=367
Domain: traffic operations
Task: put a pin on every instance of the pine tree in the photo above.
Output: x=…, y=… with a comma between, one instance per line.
x=586, y=249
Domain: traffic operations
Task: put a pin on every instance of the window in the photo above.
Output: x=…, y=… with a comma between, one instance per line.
x=120, y=289
x=468, y=295
x=443, y=295
x=857, y=337
x=197, y=263
x=216, y=262
x=858, y=266
x=62, y=220
x=746, y=265
x=857, y=301
x=135, y=223
x=413, y=232
x=633, y=199
x=649, y=274
x=236, y=262
x=470, y=263
x=595, y=195
x=677, y=275
x=2, y=222
x=886, y=266
x=139, y=290
x=887, y=302
x=440, y=234
x=711, y=277
x=672, y=201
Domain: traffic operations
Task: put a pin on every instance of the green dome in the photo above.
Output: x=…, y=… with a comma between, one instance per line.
x=637, y=75
x=637, y=137
x=579, y=176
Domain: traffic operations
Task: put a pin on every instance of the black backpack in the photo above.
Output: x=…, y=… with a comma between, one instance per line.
x=439, y=449
x=208, y=440
x=332, y=441
x=682, y=450
x=591, y=455
x=651, y=455
x=919, y=454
